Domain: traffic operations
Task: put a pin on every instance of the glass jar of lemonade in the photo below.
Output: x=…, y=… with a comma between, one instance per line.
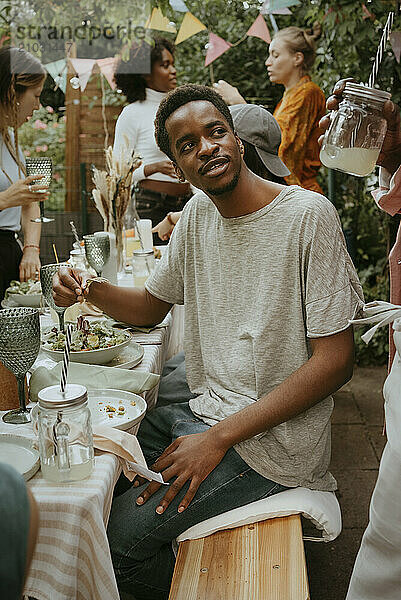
x=354, y=139
x=65, y=433
x=143, y=263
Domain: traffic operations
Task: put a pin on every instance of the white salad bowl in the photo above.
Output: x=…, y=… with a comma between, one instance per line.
x=30, y=300
x=101, y=356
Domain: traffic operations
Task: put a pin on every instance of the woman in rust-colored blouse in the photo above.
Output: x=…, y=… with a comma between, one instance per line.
x=291, y=56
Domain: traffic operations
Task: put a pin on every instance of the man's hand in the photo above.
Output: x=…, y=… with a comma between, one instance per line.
x=229, y=93
x=185, y=460
x=390, y=155
x=69, y=285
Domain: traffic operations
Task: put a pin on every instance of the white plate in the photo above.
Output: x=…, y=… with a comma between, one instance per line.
x=129, y=357
x=134, y=405
x=17, y=451
x=103, y=356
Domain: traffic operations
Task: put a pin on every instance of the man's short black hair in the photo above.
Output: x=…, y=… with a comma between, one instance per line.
x=179, y=97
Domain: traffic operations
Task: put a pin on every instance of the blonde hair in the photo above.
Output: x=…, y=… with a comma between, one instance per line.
x=19, y=70
x=301, y=40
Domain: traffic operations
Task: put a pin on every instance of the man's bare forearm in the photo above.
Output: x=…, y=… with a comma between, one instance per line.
x=130, y=305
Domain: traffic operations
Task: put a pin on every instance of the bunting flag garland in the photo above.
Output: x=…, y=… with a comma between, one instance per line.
x=367, y=14
x=216, y=47
x=395, y=41
x=178, y=5
x=278, y=7
x=107, y=67
x=259, y=29
x=158, y=21
x=58, y=70
x=83, y=68
x=190, y=26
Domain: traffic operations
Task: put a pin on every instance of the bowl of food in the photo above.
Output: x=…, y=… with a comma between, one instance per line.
x=95, y=343
x=24, y=293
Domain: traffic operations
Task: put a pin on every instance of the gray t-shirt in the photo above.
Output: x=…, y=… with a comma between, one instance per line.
x=255, y=288
x=10, y=218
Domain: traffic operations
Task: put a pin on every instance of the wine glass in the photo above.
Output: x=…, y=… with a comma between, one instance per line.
x=97, y=249
x=46, y=280
x=40, y=166
x=19, y=347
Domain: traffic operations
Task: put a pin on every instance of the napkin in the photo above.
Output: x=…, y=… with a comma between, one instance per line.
x=127, y=448
x=108, y=439
x=81, y=309
x=94, y=377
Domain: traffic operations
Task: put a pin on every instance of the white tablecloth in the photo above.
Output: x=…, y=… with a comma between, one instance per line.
x=72, y=558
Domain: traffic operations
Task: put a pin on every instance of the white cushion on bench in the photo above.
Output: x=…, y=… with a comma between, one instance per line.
x=322, y=508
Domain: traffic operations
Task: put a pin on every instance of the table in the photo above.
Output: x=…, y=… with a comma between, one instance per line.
x=72, y=557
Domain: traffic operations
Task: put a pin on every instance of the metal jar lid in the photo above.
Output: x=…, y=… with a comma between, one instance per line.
x=140, y=252
x=52, y=397
x=365, y=92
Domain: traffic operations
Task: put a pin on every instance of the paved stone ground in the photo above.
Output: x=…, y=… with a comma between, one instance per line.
x=357, y=444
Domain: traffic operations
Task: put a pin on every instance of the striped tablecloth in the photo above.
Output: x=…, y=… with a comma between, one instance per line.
x=72, y=558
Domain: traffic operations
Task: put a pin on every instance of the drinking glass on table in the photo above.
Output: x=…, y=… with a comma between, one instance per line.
x=46, y=280
x=40, y=166
x=97, y=249
x=19, y=348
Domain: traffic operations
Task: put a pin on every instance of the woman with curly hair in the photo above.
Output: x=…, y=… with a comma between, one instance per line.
x=21, y=81
x=158, y=189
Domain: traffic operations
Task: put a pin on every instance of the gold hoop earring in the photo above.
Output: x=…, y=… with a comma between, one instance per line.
x=241, y=148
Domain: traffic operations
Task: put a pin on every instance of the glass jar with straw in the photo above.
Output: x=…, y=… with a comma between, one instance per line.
x=65, y=428
x=354, y=139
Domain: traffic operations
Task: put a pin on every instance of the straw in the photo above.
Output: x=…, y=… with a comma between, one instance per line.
x=381, y=48
x=75, y=232
x=66, y=357
x=55, y=253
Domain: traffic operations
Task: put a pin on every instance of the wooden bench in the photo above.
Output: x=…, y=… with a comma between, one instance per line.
x=259, y=561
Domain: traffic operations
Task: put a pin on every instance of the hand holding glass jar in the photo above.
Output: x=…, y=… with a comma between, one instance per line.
x=367, y=138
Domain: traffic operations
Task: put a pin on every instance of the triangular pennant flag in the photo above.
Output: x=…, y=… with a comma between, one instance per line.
x=107, y=67
x=278, y=7
x=189, y=26
x=58, y=70
x=83, y=68
x=178, y=5
x=216, y=47
x=395, y=41
x=367, y=14
x=259, y=29
x=158, y=21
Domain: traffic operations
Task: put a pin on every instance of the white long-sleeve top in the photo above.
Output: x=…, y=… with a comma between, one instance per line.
x=136, y=123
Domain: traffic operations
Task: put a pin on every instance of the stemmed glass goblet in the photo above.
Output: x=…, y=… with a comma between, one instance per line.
x=41, y=165
x=19, y=347
x=46, y=280
x=97, y=249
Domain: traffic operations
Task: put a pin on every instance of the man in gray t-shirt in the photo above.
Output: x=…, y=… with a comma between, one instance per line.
x=268, y=289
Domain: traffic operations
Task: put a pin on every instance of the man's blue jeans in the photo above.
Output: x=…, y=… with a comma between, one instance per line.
x=140, y=539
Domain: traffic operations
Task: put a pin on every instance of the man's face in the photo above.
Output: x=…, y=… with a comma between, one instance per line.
x=205, y=147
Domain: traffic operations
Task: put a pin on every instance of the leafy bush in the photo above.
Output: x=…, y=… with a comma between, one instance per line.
x=44, y=135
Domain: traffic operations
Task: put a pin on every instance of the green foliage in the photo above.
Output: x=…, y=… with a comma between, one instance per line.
x=44, y=135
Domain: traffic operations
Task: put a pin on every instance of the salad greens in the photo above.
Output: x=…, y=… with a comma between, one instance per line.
x=23, y=287
x=97, y=336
